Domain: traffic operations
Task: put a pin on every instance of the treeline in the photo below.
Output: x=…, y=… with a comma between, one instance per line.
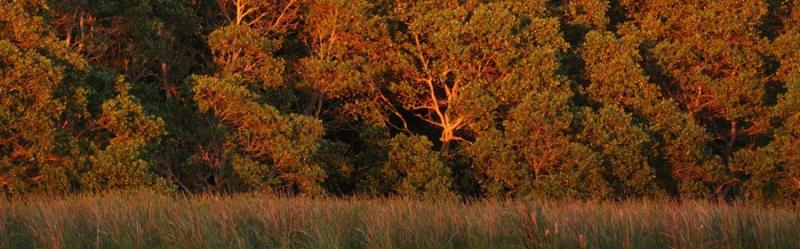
x=431, y=98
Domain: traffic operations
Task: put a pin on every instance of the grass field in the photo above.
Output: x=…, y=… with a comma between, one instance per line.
x=148, y=220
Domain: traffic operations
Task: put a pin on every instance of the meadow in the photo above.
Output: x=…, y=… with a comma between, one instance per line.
x=150, y=220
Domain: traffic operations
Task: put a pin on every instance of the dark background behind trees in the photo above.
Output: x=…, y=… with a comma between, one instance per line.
x=435, y=99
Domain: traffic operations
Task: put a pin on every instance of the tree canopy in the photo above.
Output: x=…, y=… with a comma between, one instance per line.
x=579, y=99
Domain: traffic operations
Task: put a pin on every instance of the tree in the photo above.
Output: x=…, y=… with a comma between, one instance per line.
x=774, y=168
x=129, y=130
x=49, y=121
x=501, y=171
x=29, y=117
x=536, y=154
x=425, y=98
x=344, y=73
x=156, y=45
x=707, y=57
x=265, y=148
x=270, y=18
x=414, y=170
x=259, y=133
x=617, y=79
x=459, y=62
x=588, y=13
x=144, y=40
x=622, y=148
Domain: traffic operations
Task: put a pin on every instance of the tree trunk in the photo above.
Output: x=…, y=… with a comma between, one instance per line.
x=731, y=142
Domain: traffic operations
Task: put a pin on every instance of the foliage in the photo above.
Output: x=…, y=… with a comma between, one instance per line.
x=417, y=170
x=55, y=135
x=570, y=99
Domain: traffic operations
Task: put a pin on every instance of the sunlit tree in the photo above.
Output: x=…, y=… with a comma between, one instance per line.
x=459, y=62
x=266, y=148
x=54, y=134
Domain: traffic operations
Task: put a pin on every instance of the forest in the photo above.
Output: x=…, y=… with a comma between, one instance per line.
x=423, y=99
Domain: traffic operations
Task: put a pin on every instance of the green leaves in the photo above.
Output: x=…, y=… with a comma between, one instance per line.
x=121, y=163
x=459, y=63
x=244, y=53
x=50, y=139
x=623, y=149
x=415, y=170
x=430, y=99
x=29, y=114
x=259, y=137
x=284, y=142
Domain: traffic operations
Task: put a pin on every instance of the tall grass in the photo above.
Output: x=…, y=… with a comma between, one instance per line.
x=149, y=220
